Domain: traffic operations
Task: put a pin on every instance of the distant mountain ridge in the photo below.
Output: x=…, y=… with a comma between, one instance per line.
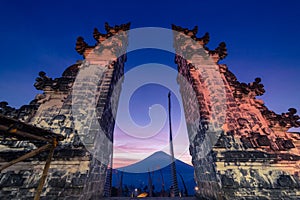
x=158, y=164
x=156, y=161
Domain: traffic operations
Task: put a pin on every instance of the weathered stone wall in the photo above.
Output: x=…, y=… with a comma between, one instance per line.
x=76, y=171
x=253, y=156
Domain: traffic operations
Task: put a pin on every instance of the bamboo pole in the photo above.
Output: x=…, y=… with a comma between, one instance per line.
x=28, y=155
x=24, y=134
x=45, y=172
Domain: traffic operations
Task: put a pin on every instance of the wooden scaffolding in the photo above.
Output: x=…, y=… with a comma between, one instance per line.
x=15, y=130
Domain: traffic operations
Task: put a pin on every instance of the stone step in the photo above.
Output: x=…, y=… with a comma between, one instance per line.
x=150, y=198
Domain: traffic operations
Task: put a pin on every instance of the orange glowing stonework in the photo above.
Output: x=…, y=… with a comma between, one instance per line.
x=254, y=155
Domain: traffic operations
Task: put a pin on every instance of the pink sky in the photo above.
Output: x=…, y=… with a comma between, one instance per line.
x=129, y=149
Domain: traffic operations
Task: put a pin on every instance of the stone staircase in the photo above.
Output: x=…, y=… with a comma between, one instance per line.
x=150, y=198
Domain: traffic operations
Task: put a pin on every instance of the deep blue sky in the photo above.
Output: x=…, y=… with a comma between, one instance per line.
x=262, y=38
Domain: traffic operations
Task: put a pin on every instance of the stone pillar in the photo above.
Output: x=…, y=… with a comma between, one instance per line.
x=240, y=149
x=77, y=171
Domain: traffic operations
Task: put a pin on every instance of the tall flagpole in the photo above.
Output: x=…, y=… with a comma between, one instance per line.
x=173, y=166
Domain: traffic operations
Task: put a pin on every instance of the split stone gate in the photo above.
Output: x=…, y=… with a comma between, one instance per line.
x=240, y=149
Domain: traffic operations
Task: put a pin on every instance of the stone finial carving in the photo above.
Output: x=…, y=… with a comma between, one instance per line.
x=81, y=45
x=99, y=37
x=108, y=28
x=116, y=28
x=257, y=87
x=204, y=39
x=251, y=89
x=286, y=120
x=72, y=71
x=218, y=54
x=96, y=34
x=43, y=82
x=192, y=33
x=5, y=109
x=23, y=113
x=241, y=90
x=289, y=119
x=195, y=30
x=221, y=51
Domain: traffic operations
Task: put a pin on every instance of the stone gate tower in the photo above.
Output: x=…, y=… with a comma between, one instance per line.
x=76, y=171
x=251, y=153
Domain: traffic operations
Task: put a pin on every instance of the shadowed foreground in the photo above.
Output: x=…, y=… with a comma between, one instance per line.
x=150, y=198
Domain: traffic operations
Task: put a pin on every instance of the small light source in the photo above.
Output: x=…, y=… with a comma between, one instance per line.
x=196, y=188
x=136, y=189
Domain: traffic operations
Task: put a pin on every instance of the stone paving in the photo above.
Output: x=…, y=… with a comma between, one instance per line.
x=151, y=198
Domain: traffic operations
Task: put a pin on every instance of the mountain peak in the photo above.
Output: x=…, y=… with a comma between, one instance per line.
x=156, y=161
x=160, y=154
x=159, y=165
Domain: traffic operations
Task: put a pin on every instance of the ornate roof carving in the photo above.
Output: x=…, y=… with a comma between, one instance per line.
x=23, y=113
x=82, y=46
x=63, y=83
x=220, y=51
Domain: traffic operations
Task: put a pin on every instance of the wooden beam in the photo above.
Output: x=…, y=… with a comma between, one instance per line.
x=24, y=134
x=28, y=155
x=45, y=173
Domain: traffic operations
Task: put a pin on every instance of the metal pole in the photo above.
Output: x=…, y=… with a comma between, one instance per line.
x=173, y=165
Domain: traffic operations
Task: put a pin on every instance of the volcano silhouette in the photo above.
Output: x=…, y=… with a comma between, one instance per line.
x=158, y=164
